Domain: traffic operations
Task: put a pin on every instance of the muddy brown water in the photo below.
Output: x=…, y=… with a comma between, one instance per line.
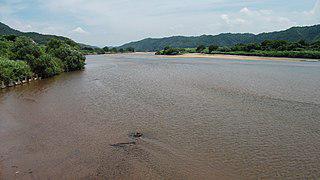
x=200, y=119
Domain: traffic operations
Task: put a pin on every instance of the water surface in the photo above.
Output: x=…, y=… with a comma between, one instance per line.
x=200, y=119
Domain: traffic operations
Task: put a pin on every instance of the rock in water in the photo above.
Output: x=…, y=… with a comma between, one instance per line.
x=137, y=135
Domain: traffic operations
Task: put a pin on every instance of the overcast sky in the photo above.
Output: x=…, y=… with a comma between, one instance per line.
x=114, y=22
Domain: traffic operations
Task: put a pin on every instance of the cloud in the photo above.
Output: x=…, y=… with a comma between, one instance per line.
x=245, y=10
x=316, y=8
x=79, y=30
x=233, y=21
x=258, y=20
x=114, y=22
x=225, y=18
x=11, y=7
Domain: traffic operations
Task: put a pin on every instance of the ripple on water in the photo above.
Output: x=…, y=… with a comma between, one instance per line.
x=200, y=119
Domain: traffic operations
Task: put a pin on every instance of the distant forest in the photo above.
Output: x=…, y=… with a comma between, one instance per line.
x=309, y=34
x=268, y=48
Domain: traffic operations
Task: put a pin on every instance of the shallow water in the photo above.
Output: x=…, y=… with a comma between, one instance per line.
x=200, y=119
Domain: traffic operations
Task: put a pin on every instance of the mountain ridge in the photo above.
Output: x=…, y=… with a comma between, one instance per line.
x=307, y=33
x=37, y=37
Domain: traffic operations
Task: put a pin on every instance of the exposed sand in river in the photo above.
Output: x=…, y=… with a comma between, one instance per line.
x=238, y=57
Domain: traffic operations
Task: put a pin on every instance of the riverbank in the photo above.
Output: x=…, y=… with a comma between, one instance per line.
x=237, y=57
x=19, y=82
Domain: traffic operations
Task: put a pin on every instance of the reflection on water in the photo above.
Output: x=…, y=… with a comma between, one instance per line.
x=200, y=119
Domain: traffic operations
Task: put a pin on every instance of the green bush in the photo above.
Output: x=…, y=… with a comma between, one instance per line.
x=74, y=61
x=21, y=57
x=114, y=50
x=5, y=47
x=212, y=48
x=200, y=48
x=130, y=49
x=71, y=58
x=106, y=49
x=13, y=70
x=25, y=49
x=170, y=51
x=48, y=66
x=289, y=54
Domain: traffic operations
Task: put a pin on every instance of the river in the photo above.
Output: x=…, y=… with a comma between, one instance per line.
x=201, y=118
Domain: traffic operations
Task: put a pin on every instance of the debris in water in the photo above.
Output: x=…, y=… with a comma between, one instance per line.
x=137, y=135
x=122, y=144
x=133, y=142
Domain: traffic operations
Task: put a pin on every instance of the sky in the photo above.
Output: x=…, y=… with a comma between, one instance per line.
x=115, y=22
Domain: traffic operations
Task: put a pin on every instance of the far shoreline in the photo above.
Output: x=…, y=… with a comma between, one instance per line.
x=238, y=57
x=222, y=57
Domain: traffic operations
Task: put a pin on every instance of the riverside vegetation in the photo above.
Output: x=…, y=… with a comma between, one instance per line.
x=106, y=50
x=21, y=57
x=269, y=48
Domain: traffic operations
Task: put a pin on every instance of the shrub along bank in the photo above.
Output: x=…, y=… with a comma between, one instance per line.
x=21, y=57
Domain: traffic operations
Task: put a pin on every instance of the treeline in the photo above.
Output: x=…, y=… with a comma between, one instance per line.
x=269, y=48
x=175, y=51
x=106, y=50
x=21, y=57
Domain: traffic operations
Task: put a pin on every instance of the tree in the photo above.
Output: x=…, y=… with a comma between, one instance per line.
x=251, y=47
x=169, y=51
x=121, y=50
x=167, y=47
x=48, y=66
x=114, y=50
x=213, y=48
x=74, y=61
x=224, y=49
x=106, y=49
x=5, y=48
x=27, y=58
x=53, y=44
x=71, y=57
x=130, y=49
x=273, y=45
x=25, y=49
x=200, y=48
x=99, y=51
x=10, y=37
x=303, y=43
x=316, y=45
x=72, y=44
x=13, y=70
x=88, y=49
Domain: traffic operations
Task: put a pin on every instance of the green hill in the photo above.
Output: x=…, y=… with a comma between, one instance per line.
x=39, y=38
x=308, y=33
